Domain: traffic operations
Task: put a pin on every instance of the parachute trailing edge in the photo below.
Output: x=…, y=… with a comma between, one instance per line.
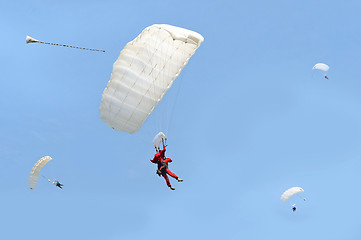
x=35, y=171
x=143, y=73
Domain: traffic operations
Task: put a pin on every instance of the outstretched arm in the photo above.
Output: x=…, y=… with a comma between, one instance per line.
x=155, y=158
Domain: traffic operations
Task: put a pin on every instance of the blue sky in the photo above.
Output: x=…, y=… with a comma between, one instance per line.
x=251, y=120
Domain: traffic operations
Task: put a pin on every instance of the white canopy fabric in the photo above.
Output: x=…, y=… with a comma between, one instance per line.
x=34, y=174
x=158, y=139
x=290, y=192
x=321, y=66
x=142, y=74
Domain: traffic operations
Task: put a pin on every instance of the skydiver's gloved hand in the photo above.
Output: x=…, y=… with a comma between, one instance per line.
x=159, y=172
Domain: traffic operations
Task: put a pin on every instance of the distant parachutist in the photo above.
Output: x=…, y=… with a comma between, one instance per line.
x=289, y=193
x=58, y=184
x=322, y=67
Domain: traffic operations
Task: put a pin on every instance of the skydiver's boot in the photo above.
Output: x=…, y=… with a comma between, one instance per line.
x=179, y=180
x=171, y=187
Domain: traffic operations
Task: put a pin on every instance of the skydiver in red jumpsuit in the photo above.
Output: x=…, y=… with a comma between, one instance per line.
x=162, y=162
x=58, y=184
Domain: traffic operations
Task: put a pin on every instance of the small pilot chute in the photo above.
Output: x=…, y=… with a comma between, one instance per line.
x=158, y=139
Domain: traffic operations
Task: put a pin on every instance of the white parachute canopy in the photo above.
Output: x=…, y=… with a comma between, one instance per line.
x=143, y=73
x=158, y=139
x=34, y=174
x=290, y=192
x=321, y=66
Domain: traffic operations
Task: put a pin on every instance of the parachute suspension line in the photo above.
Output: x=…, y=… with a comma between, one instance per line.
x=304, y=199
x=168, y=103
x=160, y=78
x=161, y=81
x=69, y=46
x=173, y=104
x=46, y=178
x=152, y=92
x=172, y=110
x=161, y=114
x=165, y=118
x=32, y=40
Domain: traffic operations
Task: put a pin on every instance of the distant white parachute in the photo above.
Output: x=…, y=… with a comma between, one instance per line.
x=33, y=40
x=290, y=192
x=143, y=73
x=34, y=174
x=158, y=139
x=323, y=67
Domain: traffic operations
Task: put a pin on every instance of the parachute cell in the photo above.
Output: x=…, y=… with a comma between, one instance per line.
x=321, y=66
x=142, y=74
x=34, y=174
x=290, y=192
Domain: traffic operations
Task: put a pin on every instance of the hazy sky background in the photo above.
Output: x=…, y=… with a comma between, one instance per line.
x=251, y=119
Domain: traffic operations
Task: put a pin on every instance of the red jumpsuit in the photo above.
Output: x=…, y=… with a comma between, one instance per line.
x=159, y=157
